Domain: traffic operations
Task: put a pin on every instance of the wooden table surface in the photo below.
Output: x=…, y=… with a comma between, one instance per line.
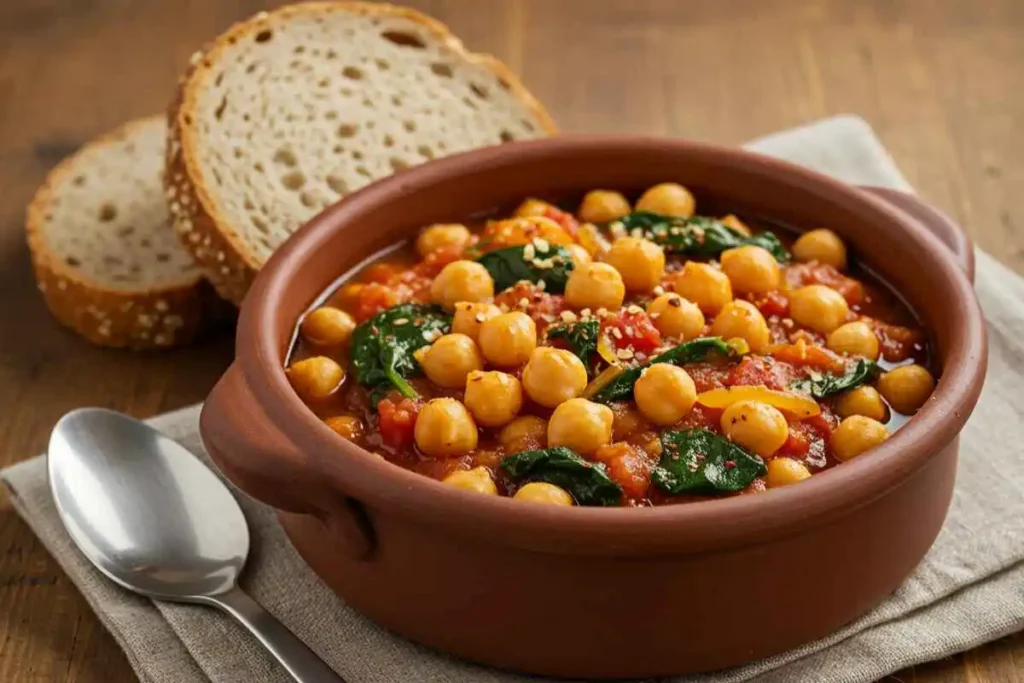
x=941, y=81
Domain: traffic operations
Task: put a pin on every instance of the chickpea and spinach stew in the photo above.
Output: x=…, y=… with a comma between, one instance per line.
x=627, y=354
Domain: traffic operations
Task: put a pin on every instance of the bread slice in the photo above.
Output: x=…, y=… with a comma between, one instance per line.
x=291, y=110
x=105, y=257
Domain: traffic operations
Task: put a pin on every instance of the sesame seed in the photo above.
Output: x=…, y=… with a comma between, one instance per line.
x=524, y=302
x=220, y=255
x=633, y=308
x=659, y=290
x=126, y=306
x=479, y=317
x=602, y=312
x=62, y=285
x=161, y=339
x=42, y=286
x=617, y=333
x=542, y=285
x=161, y=305
x=547, y=317
x=503, y=307
x=225, y=270
x=568, y=316
x=585, y=312
x=624, y=354
x=195, y=58
x=541, y=244
x=637, y=233
x=529, y=253
x=402, y=321
x=171, y=192
x=194, y=237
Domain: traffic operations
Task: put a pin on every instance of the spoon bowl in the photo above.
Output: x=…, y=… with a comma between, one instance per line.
x=154, y=519
x=145, y=511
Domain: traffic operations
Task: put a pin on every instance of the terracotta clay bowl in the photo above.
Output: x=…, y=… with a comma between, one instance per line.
x=599, y=592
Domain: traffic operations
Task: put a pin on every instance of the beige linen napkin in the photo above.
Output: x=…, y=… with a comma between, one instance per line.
x=968, y=590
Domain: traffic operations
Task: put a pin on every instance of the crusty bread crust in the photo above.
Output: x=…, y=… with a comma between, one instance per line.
x=225, y=258
x=157, y=318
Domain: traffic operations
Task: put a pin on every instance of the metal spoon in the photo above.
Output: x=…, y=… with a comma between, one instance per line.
x=154, y=519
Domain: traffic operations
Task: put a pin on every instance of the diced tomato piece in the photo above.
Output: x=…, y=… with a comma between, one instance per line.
x=708, y=376
x=629, y=466
x=397, y=422
x=815, y=273
x=897, y=342
x=635, y=331
x=565, y=219
x=760, y=371
x=374, y=298
x=437, y=260
x=798, y=443
x=773, y=303
x=544, y=308
x=381, y=273
x=702, y=417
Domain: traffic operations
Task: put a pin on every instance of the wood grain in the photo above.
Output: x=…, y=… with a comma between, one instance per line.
x=940, y=81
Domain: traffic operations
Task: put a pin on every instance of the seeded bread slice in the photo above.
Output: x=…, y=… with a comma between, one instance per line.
x=105, y=257
x=291, y=110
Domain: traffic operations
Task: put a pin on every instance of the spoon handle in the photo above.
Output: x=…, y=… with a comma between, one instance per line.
x=297, y=659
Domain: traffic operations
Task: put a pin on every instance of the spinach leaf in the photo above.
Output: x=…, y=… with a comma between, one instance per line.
x=382, y=347
x=826, y=385
x=700, y=461
x=621, y=388
x=586, y=481
x=699, y=236
x=536, y=262
x=580, y=336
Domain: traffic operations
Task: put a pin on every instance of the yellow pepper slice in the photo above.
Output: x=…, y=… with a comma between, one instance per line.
x=796, y=405
x=602, y=380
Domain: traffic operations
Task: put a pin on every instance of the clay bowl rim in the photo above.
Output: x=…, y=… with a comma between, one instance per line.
x=673, y=528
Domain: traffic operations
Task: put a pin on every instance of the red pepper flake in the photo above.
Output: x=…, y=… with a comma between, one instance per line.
x=729, y=465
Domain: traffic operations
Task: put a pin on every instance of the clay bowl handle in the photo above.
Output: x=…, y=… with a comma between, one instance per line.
x=263, y=463
x=940, y=225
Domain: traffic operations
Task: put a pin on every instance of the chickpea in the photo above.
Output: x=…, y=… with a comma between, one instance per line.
x=348, y=426
x=533, y=207
x=664, y=393
x=462, y=281
x=581, y=425
x=674, y=316
x=595, y=285
x=906, y=388
x=543, y=492
x=553, y=376
x=444, y=428
x=579, y=255
x=524, y=433
x=854, y=339
x=494, y=397
x=733, y=221
x=477, y=480
x=327, y=326
x=758, y=427
x=603, y=206
x=440, y=236
x=640, y=262
x=668, y=199
x=315, y=378
x=818, y=307
x=863, y=400
x=742, y=319
x=449, y=360
x=469, y=316
x=785, y=471
x=704, y=285
x=507, y=340
x=856, y=434
x=821, y=245
x=751, y=269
